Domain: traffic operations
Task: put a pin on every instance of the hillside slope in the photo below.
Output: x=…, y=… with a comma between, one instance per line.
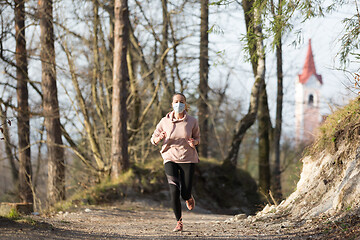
x=329, y=184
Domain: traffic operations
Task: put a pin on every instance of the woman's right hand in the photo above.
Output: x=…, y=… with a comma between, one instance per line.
x=160, y=137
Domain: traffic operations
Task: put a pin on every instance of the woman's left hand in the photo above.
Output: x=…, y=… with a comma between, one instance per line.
x=192, y=142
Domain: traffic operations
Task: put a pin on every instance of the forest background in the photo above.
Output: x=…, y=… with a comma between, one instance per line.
x=60, y=59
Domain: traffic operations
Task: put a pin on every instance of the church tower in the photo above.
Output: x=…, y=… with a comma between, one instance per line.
x=307, y=100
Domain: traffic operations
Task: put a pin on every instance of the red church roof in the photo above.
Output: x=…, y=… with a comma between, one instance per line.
x=309, y=68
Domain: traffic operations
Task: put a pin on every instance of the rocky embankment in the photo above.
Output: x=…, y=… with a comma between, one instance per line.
x=327, y=194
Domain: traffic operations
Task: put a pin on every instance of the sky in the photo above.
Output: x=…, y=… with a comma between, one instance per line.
x=324, y=34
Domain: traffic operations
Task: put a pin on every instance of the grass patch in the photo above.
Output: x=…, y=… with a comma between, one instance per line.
x=139, y=179
x=343, y=124
x=13, y=214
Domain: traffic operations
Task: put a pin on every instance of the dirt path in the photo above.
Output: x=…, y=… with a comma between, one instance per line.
x=139, y=220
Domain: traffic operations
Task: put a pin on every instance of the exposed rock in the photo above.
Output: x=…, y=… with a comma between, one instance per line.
x=240, y=216
x=329, y=184
x=236, y=218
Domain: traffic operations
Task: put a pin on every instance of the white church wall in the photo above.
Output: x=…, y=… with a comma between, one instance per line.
x=307, y=114
x=299, y=110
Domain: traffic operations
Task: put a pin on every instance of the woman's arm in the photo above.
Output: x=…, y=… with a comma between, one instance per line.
x=158, y=134
x=196, y=133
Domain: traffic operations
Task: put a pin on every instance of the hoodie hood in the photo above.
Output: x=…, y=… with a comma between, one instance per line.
x=171, y=117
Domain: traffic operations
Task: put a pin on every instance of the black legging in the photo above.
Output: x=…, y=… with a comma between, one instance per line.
x=180, y=178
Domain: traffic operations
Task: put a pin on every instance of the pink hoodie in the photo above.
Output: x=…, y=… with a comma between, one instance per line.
x=175, y=147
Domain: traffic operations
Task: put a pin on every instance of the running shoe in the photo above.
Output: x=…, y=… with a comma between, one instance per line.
x=190, y=203
x=179, y=226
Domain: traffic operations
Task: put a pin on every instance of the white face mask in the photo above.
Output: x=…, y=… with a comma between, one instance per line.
x=178, y=107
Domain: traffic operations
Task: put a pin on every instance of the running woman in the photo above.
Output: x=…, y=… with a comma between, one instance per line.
x=180, y=134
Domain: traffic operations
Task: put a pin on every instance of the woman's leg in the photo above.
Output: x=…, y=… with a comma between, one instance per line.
x=172, y=174
x=186, y=179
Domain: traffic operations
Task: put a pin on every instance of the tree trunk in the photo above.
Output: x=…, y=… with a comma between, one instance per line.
x=264, y=142
x=25, y=171
x=110, y=57
x=169, y=89
x=256, y=48
x=8, y=145
x=278, y=123
x=264, y=122
x=119, y=144
x=175, y=65
x=98, y=83
x=136, y=100
x=146, y=73
x=249, y=23
x=56, y=163
x=203, y=84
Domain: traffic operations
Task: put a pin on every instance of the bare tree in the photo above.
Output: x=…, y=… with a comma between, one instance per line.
x=119, y=144
x=134, y=92
x=203, y=113
x=264, y=126
x=8, y=145
x=89, y=128
x=169, y=88
x=56, y=163
x=257, y=54
x=25, y=172
x=277, y=13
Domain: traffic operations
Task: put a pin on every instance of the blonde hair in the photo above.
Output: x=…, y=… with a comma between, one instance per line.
x=187, y=107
